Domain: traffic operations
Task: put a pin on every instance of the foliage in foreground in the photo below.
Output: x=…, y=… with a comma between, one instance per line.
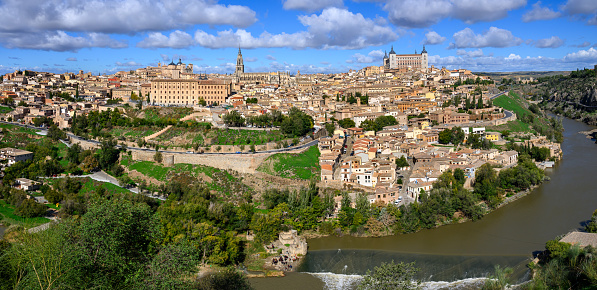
x=112, y=246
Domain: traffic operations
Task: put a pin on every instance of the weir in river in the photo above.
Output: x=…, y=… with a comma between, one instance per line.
x=459, y=253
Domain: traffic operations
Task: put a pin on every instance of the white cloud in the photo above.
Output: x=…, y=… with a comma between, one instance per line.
x=250, y=59
x=552, y=42
x=472, y=11
x=583, y=9
x=376, y=54
x=359, y=58
x=333, y=29
x=177, y=39
x=433, y=37
x=580, y=6
x=472, y=53
x=310, y=5
x=128, y=64
x=119, y=16
x=165, y=57
x=588, y=56
x=513, y=57
x=417, y=13
x=71, y=59
x=270, y=57
x=424, y=13
x=58, y=41
x=584, y=44
x=494, y=37
x=540, y=13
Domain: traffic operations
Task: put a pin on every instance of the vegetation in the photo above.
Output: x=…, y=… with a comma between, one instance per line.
x=391, y=276
x=346, y=123
x=564, y=266
x=297, y=166
x=378, y=123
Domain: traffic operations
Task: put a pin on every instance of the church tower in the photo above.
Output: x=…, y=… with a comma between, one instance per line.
x=240, y=67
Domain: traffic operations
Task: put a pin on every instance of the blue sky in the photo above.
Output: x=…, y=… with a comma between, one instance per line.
x=105, y=36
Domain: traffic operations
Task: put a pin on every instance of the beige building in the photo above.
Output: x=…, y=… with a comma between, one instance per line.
x=181, y=92
x=400, y=61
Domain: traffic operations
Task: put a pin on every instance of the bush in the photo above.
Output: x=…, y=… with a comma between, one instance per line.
x=29, y=208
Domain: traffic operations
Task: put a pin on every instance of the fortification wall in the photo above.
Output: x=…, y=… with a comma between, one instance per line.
x=244, y=163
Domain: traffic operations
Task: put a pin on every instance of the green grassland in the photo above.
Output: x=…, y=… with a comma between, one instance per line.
x=243, y=137
x=512, y=102
x=7, y=214
x=512, y=126
x=295, y=166
x=221, y=180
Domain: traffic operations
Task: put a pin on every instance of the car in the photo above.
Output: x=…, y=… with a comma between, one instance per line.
x=238, y=152
x=189, y=152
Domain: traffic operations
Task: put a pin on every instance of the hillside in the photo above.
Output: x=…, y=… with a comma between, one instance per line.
x=573, y=96
x=530, y=118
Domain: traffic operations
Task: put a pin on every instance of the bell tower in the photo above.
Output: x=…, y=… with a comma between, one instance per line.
x=240, y=67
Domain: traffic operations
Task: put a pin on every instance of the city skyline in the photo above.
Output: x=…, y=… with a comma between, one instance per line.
x=311, y=36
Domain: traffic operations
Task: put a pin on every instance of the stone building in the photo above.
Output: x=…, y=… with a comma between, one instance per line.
x=400, y=61
x=181, y=92
x=240, y=76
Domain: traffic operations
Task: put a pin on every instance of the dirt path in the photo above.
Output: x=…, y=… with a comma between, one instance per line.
x=156, y=134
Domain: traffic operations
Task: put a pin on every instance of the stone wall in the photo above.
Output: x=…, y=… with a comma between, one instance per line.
x=244, y=163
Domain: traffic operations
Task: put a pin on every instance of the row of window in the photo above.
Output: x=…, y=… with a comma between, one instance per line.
x=187, y=92
x=189, y=87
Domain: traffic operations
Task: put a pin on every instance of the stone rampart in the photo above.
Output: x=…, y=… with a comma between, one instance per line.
x=244, y=163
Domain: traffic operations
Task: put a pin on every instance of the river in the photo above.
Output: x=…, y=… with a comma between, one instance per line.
x=506, y=237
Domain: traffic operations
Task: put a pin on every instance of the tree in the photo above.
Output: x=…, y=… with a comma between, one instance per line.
x=402, y=162
x=55, y=133
x=391, y=276
x=109, y=153
x=346, y=123
x=330, y=127
x=234, y=119
x=445, y=136
x=29, y=208
x=109, y=258
x=158, y=157
x=457, y=135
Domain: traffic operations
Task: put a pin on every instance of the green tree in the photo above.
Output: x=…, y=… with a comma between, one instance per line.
x=330, y=127
x=402, y=162
x=110, y=258
x=109, y=153
x=445, y=136
x=234, y=119
x=391, y=276
x=346, y=123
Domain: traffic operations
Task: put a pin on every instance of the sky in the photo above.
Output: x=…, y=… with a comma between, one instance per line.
x=310, y=36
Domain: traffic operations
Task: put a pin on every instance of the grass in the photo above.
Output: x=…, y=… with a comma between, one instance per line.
x=7, y=212
x=512, y=102
x=512, y=126
x=244, y=137
x=91, y=185
x=4, y=110
x=295, y=166
x=221, y=180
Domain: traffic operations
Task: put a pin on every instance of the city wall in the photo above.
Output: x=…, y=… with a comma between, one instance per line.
x=244, y=163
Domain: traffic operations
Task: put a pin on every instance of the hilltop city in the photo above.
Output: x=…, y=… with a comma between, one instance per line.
x=240, y=169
